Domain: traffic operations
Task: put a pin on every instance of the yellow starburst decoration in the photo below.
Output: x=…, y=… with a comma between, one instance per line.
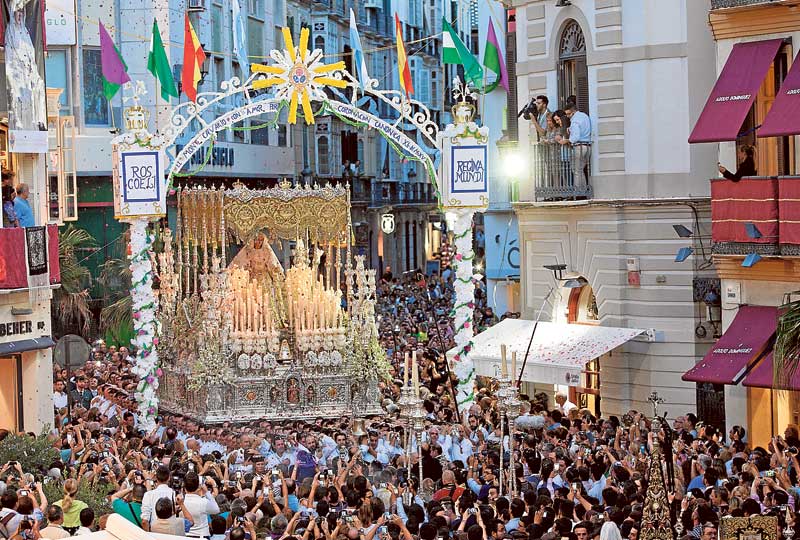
x=299, y=75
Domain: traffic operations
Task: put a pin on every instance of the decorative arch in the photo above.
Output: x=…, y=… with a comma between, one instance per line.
x=188, y=116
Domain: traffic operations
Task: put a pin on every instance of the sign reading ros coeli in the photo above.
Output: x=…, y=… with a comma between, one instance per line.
x=139, y=189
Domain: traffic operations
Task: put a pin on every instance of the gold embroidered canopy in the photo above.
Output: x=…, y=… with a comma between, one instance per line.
x=283, y=212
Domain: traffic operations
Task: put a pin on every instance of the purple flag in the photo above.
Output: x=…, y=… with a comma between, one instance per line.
x=493, y=58
x=115, y=71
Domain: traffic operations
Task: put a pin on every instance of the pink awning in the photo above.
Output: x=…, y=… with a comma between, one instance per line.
x=762, y=376
x=742, y=343
x=735, y=91
x=783, y=117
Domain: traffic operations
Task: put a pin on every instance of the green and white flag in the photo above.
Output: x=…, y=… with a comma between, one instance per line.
x=158, y=65
x=455, y=52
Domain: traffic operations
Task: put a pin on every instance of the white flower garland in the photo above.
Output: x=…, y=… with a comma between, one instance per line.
x=145, y=326
x=464, y=367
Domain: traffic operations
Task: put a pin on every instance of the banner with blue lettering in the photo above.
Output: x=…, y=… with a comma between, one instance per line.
x=464, y=175
x=139, y=184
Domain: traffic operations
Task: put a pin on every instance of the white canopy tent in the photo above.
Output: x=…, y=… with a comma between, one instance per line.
x=558, y=354
x=119, y=528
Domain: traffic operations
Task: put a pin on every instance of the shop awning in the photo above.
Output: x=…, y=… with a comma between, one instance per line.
x=559, y=352
x=783, y=117
x=735, y=91
x=762, y=376
x=25, y=345
x=738, y=348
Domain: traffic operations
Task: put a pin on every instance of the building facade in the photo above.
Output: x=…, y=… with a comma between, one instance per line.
x=641, y=71
x=754, y=219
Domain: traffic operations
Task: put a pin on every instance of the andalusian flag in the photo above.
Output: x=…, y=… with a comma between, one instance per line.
x=402, y=60
x=455, y=52
x=193, y=58
x=114, y=69
x=158, y=65
x=493, y=59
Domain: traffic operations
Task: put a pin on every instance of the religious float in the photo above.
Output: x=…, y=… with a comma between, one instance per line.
x=252, y=339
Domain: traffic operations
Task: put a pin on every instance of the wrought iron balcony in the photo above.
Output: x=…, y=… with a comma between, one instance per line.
x=560, y=172
x=756, y=215
x=725, y=4
x=386, y=193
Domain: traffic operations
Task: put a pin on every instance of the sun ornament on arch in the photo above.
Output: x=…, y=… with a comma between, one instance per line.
x=299, y=75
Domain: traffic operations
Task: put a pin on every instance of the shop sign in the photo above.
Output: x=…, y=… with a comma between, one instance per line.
x=59, y=17
x=139, y=187
x=15, y=328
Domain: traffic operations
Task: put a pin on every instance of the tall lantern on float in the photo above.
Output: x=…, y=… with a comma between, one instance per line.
x=464, y=190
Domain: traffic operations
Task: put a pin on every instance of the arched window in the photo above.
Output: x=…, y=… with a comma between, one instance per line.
x=573, y=73
x=319, y=43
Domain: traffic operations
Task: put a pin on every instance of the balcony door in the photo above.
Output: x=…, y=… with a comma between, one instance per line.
x=573, y=72
x=774, y=155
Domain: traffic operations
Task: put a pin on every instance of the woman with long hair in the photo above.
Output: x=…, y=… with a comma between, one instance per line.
x=71, y=506
x=747, y=164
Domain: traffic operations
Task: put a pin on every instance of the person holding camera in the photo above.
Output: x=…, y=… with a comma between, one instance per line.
x=71, y=506
x=537, y=111
x=161, y=491
x=200, y=503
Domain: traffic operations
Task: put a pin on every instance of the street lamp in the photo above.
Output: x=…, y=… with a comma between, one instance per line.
x=513, y=164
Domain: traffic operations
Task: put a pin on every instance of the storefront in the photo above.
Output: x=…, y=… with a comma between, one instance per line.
x=29, y=270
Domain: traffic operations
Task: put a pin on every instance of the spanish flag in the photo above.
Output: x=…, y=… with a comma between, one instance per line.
x=402, y=60
x=193, y=58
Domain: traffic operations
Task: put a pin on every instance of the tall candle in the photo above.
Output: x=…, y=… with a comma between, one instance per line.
x=415, y=373
x=503, y=364
x=405, y=370
x=514, y=366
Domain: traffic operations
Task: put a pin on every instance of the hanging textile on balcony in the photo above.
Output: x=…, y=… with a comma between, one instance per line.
x=36, y=263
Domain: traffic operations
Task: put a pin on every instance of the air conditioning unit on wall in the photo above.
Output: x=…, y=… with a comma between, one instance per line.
x=196, y=5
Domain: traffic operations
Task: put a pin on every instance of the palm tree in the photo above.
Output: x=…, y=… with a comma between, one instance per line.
x=71, y=300
x=115, y=318
x=786, y=358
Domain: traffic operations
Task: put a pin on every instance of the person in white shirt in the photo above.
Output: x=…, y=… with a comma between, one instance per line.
x=200, y=503
x=580, y=138
x=161, y=491
x=59, y=395
x=564, y=404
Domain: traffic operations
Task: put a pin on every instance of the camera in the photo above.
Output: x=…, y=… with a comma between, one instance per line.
x=528, y=110
x=472, y=511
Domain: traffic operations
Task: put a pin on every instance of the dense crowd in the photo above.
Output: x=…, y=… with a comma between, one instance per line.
x=576, y=476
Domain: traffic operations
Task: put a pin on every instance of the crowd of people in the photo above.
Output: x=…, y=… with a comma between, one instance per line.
x=575, y=476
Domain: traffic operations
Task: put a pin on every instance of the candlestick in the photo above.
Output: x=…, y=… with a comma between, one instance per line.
x=503, y=364
x=405, y=370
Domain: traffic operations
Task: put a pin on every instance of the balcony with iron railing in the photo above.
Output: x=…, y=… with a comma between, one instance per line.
x=560, y=172
x=728, y=4
x=756, y=215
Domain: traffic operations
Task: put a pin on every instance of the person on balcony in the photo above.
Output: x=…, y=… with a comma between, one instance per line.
x=10, y=219
x=580, y=139
x=747, y=164
x=22, y=207
x=542, y=114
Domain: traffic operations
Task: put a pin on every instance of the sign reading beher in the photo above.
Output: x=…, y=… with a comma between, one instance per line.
x=464, y=174
x=139, y=186
x=59, y=17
